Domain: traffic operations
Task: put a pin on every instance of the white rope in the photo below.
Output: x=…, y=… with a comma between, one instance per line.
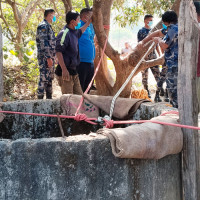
x=127, y=80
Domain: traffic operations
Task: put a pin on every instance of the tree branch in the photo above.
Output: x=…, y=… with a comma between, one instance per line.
x=6, y=23
x=87, y=4
x=67, y=4
x=28, y=12
x=16, y=12
x=55, y=8
x=150, y=63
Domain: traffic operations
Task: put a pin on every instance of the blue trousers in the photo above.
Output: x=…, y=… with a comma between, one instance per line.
x=86, y=72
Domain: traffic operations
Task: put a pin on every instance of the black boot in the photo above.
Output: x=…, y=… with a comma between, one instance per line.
x=149, y=94
x=166, y=96
x=146, y=88
x=40, y=96
x=48, y=95
x=162, y=92
x=157, y=97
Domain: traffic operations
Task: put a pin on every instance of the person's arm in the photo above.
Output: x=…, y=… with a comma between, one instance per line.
x=65, y=73
x=161, y=42
x=157, y=33
x=170, y=36
x=84, y=27
x=59, y=54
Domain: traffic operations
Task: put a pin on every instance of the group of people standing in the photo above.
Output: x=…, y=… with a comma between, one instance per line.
x=167, y=38
x=73, y=50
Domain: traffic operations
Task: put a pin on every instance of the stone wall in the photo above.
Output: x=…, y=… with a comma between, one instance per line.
x=77, y=167
x=26, y=126
x=83, y=168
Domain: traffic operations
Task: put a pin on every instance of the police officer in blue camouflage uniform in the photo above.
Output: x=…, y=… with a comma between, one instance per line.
x=142, y=33
x=169, y=44
x=46, y=43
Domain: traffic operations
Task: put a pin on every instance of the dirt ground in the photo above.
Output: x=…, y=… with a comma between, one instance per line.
x=137, y=84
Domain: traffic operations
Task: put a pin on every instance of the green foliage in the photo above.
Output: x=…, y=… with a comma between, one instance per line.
x=20, y=82
x=129, y=12
x=22, y=78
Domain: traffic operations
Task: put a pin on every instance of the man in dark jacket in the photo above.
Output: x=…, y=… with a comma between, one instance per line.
x=67, y=52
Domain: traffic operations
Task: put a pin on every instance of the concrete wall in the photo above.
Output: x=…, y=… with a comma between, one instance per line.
x=77, y=167
x=82, y=168
x=26, y=126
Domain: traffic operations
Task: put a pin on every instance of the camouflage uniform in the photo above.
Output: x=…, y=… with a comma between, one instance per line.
x=46, y=43
x=162, y=78
x=155, y=70
x=171, y=59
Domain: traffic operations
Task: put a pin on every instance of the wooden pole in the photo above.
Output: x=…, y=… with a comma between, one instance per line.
x=1, y=65
x=187, y=99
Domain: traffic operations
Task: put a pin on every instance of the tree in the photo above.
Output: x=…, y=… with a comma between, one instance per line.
x=21, y=17
x=123, y=67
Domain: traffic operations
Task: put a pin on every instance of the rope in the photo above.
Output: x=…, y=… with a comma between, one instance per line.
x=170, y=112
x=79, y=117
x=107, y=123
x=127, y=80
x=106, y=27
x=91, y=82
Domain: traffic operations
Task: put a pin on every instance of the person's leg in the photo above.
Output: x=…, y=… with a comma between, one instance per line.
x=66, y=86
x=145, y=81
x=156, y=72
x=171, y=81
x=76, y=85
x=162, y=79
x=42, y=82
x=49, y=77
x=83, y=72
x=49, y=90
x=89, y=75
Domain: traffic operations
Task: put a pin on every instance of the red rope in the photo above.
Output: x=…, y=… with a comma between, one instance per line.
x=107, y=27
x=170, y=112
x=79, y=117
x=107, y=123
x=91, y=82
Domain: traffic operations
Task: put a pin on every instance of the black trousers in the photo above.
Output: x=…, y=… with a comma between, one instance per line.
x=86, y=72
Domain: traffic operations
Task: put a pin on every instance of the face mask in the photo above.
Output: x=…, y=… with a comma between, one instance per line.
x=150, y=23
x=54, y=19
x=78, y=25
x=164, y=26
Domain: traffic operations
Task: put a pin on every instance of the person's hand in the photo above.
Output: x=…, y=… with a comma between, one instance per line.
x=56, y=60
x=65, y=75
x=89, y=19
x=49, y=62
x=157, y=40
x=140, y=44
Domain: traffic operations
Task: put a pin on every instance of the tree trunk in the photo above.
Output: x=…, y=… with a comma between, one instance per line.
x=18, y=43
x=68, y=5
x=101, y=11
x=187, y=99
x=1, y=65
